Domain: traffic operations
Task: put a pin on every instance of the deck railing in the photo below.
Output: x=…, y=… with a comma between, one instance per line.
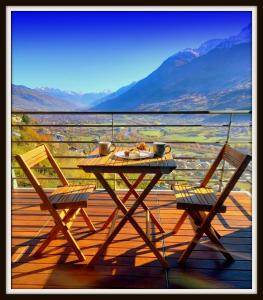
x=115, y=121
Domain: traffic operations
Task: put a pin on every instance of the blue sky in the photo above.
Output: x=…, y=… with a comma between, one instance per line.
x=94, y=51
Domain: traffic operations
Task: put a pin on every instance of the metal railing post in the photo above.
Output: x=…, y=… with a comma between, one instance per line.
x=112, y=140
x=226, y=142
x=14, y=181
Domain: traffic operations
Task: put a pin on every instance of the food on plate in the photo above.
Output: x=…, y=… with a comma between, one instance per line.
x=134, y=153
x=126, y=153
x=141, y=146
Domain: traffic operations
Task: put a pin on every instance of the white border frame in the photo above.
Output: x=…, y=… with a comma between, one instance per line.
x=252, y=9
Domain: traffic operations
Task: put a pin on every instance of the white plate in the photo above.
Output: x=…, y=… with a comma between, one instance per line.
x=143, y=154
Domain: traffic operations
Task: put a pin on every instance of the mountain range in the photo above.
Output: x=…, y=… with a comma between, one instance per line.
x=216, y=75
x=50, y=99
x=79, y=99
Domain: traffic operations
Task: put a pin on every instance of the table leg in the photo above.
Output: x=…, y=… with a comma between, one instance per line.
x=145, y=207
x=125, y=198
x=128, y=216
x=148, y=229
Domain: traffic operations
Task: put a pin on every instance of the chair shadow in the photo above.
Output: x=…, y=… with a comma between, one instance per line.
x=120, y=271
x=206, y=267
x=32, y=245
x=24, y=206
x=241, y=208
x=223, y=220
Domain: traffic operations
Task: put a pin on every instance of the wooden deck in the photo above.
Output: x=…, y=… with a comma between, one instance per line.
x=128, y=263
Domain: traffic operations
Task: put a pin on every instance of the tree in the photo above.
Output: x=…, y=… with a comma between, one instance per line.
x=25, y=119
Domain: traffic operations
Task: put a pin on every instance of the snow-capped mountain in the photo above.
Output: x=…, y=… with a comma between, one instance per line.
x=188, y=54
x=81, y=100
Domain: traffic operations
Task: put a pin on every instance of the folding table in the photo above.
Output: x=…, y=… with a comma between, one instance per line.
x=99, y=165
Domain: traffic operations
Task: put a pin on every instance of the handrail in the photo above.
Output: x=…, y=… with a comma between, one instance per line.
x=125, y=125
x=126, y=142
x=191, y=112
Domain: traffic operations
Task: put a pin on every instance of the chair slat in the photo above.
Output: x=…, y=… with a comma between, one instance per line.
x=30, y=155
x=194, y=198
x=70, y=196
x=31, y=162
x=233, y=156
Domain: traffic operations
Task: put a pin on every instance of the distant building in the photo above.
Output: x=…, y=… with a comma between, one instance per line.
x=71, y=148
x=205, y=165
x=58, y=136
x=43, y=131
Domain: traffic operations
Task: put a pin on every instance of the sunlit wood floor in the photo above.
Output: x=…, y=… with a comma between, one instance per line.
x=128, y=263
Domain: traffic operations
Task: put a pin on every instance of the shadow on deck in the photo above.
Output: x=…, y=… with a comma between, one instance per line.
x=128, y=263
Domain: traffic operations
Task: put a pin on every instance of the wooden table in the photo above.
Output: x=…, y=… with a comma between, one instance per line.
x=112, y=164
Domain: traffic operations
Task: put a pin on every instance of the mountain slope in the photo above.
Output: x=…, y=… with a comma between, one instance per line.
x=218, y=64
x=219, y=69
x=24, y=98
x=115, y=94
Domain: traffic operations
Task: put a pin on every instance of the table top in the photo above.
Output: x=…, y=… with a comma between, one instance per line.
x=112, y=164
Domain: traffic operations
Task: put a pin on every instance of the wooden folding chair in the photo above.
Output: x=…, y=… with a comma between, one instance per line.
x=196, y=201
x=63, y=204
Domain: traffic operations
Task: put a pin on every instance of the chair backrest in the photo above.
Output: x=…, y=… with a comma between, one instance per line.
x=31, y=159
x=234, y=158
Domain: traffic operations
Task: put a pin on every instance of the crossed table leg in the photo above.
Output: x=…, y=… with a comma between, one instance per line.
x=128, y=217
x=126, y=197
